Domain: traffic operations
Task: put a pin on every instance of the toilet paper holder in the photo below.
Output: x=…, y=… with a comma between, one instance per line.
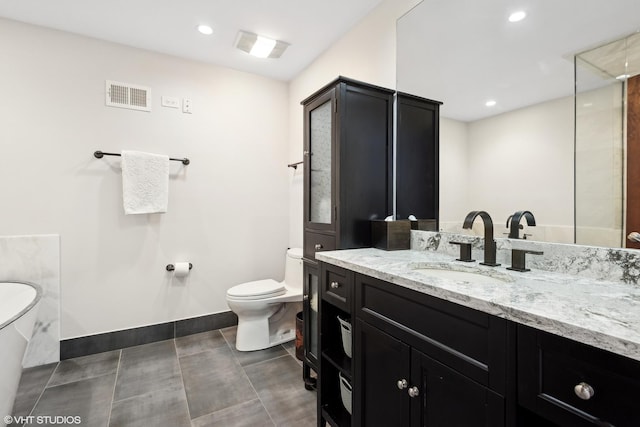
x=171, y=267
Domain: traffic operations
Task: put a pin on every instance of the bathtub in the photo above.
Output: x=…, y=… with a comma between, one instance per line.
x=18, y=310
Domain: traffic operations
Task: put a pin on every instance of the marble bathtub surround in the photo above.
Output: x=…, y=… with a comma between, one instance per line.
x=614, y=264
x=569, y=302
x=36, y=259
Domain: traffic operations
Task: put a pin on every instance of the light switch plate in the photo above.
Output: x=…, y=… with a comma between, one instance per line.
x=171, y=102
x=186, y=106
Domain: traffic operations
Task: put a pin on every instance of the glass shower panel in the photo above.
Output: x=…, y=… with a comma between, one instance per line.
x=599, y=145
x=320, y=164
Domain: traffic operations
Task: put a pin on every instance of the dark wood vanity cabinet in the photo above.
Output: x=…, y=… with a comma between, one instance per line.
x=418, y=360
x=421, y=361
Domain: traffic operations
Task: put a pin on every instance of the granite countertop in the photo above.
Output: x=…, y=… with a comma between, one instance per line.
x=604, y=314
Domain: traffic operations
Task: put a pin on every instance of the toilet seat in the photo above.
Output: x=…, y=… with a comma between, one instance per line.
x=259, y=289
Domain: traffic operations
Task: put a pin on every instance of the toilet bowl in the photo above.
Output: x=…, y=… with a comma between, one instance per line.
x=266, y=309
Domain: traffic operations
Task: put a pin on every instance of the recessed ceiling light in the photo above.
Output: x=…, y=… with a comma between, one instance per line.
x=490, y=103
x=517, y=16
x=260, y=46
x=205, y=29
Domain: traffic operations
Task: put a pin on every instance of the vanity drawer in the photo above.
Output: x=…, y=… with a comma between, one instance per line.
x=469, y=341
x=337, y=285
x=316, y=242
x=552, y=371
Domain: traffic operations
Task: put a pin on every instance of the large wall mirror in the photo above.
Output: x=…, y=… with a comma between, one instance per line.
x=532, y=119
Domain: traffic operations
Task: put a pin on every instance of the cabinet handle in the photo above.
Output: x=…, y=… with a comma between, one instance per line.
x=318, y=246
x=584, y=391
x=402, y=384
x=413, y=392
x=335, y=285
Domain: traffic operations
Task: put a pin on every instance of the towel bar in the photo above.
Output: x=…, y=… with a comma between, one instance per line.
x=100, y=154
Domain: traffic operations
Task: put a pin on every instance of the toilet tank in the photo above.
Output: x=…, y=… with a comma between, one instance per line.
x=293, y=274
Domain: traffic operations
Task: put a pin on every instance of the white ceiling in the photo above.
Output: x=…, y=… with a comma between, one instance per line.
x=464, y=52
x=169, y=26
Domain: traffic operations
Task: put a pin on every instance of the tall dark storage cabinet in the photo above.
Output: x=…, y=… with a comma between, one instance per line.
x=417, y=149
x=348, y=131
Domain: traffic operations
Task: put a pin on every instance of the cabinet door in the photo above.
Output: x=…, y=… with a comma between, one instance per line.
x=447, y=398
x=417, y=157
x=574, y=384
x=364, y=146
x=319, y=159
x=310, y=309
x=382, y=361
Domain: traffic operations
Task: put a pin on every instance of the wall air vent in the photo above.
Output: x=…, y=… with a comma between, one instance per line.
x=125, y=95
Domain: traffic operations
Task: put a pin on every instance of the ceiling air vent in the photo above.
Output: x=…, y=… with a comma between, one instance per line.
x=125, y=95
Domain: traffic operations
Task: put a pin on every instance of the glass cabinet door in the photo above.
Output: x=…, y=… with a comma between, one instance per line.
x=318, y=153
x=311, y=303
x=313, y=316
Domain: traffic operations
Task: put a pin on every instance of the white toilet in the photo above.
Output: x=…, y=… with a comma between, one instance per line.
x=267, y=309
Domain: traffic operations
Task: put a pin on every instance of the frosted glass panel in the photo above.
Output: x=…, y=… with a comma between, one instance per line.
x=320, y=165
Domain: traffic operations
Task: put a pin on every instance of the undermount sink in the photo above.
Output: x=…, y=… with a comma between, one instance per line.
x=462, y=273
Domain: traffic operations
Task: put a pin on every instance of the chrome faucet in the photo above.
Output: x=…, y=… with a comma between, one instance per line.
x=514, y=228
x=489, y=243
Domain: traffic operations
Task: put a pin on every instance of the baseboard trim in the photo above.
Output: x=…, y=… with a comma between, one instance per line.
x=91, y=344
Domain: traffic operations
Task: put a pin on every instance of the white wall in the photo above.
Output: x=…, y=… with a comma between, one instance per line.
x=523, y=160
x=454, y=171
x=228, y=210
x=366, y=53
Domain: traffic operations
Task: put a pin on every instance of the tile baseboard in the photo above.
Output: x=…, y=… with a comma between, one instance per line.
x=91, y=344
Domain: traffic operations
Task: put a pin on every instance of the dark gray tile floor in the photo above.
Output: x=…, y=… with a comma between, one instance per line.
x=199, y=380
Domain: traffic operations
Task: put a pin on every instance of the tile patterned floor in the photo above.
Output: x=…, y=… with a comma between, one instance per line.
x=199, y=380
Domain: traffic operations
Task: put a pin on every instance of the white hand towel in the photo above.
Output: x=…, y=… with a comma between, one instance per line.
x=145, y=182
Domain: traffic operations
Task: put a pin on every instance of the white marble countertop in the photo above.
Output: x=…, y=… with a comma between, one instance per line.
x=599, y=313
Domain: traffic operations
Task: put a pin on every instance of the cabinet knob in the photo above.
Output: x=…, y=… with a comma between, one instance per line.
x=584, y=391
x=318, y=246
x=402, y=384
x=306, y=152
x=335, y=285
x=305, y=297
x=413, y=392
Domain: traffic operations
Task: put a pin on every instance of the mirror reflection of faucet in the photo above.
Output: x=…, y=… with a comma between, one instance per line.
x=514, y=226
